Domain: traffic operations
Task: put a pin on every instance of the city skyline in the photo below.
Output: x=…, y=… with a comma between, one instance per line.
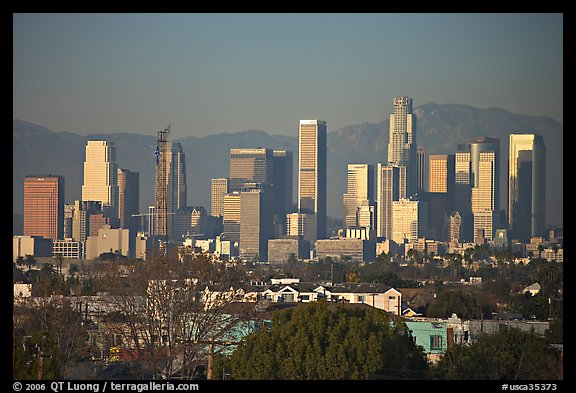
x=137, y=72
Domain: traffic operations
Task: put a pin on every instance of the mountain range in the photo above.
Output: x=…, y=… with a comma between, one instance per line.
x=440, y=128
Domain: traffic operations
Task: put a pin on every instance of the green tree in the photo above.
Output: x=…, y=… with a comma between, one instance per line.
x=509, y=354
x=36, y=356
x=448, y=302
x=314, y=342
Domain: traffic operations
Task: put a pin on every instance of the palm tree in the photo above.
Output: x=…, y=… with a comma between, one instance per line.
x=30, y=261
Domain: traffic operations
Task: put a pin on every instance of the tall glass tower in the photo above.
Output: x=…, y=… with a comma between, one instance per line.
x=527, y=186
x=101, y=178
x=312, y=172
x=402, y=145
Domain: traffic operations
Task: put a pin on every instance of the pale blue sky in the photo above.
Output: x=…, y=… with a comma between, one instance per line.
x=213, y=73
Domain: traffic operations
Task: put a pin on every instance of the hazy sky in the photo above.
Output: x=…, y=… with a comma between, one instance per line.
x=211, y=73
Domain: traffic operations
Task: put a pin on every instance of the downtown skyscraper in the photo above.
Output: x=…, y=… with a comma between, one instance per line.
x=101, y=178
x=477, y=188
x=44, y=206
x=402, y=145
x=312, y=172
x=174, y=180
x=527, y=186
x=360, y=192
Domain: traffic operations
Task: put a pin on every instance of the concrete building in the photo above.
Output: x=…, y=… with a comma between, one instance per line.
x=109, y=240
x=402, y=146
x=280, y=250
x=356, y=250
x=36, y=246
x=44, y=206
x=360, y=192
x=301, y=225
x=389, y=189
x=83, y=210
x=69, y=249
x=312, y=172
x=527, y=186
x=409, y=220
x=101, y=177
x=252, y=165
x=256, y=225
x=219, y=188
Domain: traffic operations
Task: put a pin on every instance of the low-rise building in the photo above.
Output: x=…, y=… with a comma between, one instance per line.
x=356, y=250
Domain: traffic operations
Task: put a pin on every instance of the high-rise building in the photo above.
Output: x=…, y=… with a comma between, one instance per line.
x=360, y=192
x=255, y=223
x=527, y=186
x=477, y=188
x=440, y=196
x=409, y=220
x=219, y=188
x=231, y=216
x=282, y=179
x=175, y=186
x=441, y=173
x=388, y=189
x=402, y=145
x=312, y=171
x=68, y=220
x=101, y=177
x=190, y=220
x=301, y=225
x=83, y=210
x=128, y=199
x=44, y=206
x=250, y=165
x=422, y=170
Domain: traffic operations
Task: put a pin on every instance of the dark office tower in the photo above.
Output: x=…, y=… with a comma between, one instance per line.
x=101, y=177
x=527, y=186
x=388, y=190
x=360, y=192
x=219, y=187
x=83, y=210
x=312, y=172
x=68, y=220
x=128, y=199
x=282, y=179
x=250, y=166
x=255, y=223
x=478, y=187
x=402, y=145
x=44, y=206
x=175, y=186
x=422, y=170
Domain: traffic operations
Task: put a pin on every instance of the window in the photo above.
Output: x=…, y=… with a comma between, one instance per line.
x=391, y=297
x=361, y=299
x=435, y=342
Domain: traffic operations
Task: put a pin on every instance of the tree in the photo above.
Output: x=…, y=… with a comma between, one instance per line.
x=167, y=309
x=448, y=302
x=509, y=354
x=312, y=341
x=30, y=261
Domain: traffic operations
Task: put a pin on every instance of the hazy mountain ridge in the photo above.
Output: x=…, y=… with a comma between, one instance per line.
x=440, y=128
